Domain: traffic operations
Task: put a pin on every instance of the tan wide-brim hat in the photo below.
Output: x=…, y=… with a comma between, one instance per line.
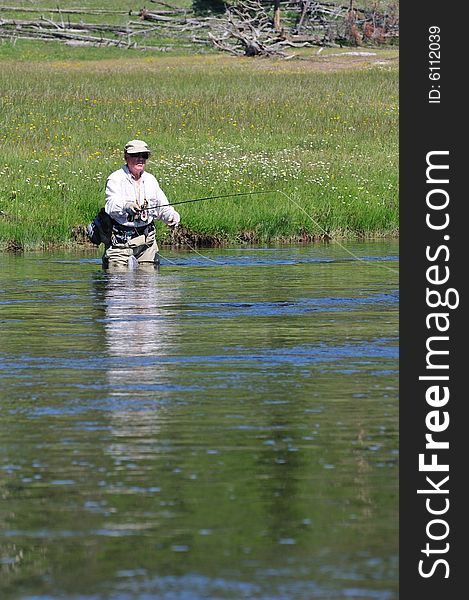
x=136, y=146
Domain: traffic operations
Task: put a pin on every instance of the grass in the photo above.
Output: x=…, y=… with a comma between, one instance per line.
x=322, y=132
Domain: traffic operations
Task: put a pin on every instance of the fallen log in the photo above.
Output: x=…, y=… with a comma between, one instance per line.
x=65, y=11
x=43, y=22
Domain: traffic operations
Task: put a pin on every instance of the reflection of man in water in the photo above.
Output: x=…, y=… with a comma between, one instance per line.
x=136, y=322
x=133, y=199
x=139, y=333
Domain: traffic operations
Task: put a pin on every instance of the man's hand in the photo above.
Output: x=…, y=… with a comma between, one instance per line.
x=174, y=221
x=131, y=208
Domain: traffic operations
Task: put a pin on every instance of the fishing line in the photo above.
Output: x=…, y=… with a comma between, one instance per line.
x=332, y=239
x=206, y=257
x=168, y=259
x=352, y=254
x=193, y=250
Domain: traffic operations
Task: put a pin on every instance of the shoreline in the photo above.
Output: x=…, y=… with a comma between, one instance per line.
x=184, y=237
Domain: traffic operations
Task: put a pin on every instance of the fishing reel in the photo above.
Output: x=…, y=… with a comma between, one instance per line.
x=138, y=212
x=144, y=211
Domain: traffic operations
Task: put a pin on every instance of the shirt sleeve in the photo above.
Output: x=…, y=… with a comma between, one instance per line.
x=162, y=210
x=115, y=200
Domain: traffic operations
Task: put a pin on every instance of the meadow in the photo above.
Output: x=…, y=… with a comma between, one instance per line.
x=321, y=134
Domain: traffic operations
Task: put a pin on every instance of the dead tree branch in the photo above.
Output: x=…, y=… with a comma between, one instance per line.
x=248, y=27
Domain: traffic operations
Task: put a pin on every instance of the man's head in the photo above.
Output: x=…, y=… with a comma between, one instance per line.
x=137, y=147
x=136, y=153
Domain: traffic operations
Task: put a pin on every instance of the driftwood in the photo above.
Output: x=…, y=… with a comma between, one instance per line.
x=45, y=24
x=248, y=27
x=65, y=11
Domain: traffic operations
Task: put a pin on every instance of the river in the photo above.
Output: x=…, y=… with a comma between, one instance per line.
x=225, y=427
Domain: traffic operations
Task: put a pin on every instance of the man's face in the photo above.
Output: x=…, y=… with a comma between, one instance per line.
x=136, y=163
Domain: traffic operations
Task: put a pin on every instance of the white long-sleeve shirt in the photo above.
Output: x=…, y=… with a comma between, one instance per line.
x=122, y=188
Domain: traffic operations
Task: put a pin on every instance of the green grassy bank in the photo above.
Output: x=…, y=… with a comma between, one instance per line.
x=325, y=133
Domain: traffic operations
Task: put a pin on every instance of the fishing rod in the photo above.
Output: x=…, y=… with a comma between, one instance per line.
x=224, y=196
x=210, y=198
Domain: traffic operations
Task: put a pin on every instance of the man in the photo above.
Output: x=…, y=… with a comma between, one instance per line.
x=133, y=199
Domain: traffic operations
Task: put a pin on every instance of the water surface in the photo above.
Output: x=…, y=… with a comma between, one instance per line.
x=225, y=427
